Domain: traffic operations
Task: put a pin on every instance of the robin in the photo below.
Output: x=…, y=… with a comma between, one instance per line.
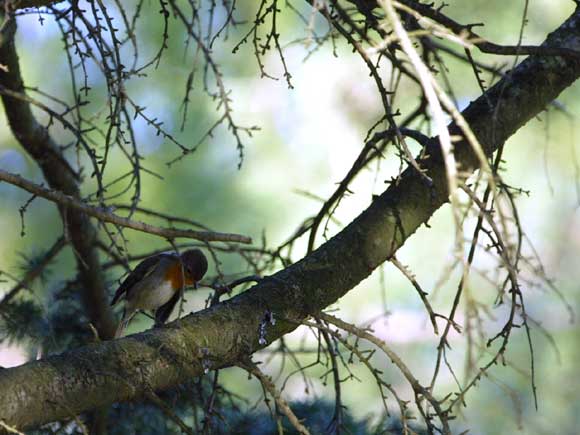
x=156, y=283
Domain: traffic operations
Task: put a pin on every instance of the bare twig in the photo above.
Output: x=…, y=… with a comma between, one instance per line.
x=107, y=216
x=266, y=381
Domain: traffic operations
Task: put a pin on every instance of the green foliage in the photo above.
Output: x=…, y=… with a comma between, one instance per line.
x=141, y=419
x=67, y=325
x=316, y=415
x=20, y=320
x=34, y=261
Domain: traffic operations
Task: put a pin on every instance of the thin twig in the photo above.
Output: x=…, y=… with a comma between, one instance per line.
x=106, y=216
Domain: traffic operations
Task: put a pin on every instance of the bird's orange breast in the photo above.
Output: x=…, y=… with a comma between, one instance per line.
x=177, y=275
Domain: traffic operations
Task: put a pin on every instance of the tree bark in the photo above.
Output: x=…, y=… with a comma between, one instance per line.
x=60, y=386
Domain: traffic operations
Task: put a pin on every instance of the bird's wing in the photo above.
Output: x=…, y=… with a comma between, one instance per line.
x=143, y=269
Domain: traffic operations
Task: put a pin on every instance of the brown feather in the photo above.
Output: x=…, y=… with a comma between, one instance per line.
x=143, y=269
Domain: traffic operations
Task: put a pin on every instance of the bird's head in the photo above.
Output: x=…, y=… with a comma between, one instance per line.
x=194, y=263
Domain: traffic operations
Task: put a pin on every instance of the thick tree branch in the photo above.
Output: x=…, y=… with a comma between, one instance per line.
x=60, y=386
x=68, y=201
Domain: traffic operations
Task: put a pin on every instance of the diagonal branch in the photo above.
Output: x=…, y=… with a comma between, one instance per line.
x=59, y=386
x=269, y=386
x=103, y=215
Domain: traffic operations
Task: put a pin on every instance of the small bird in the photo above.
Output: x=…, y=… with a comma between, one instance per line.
x=156, y=283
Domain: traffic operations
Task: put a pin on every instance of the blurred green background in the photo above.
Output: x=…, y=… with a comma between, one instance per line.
x=308, y=139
